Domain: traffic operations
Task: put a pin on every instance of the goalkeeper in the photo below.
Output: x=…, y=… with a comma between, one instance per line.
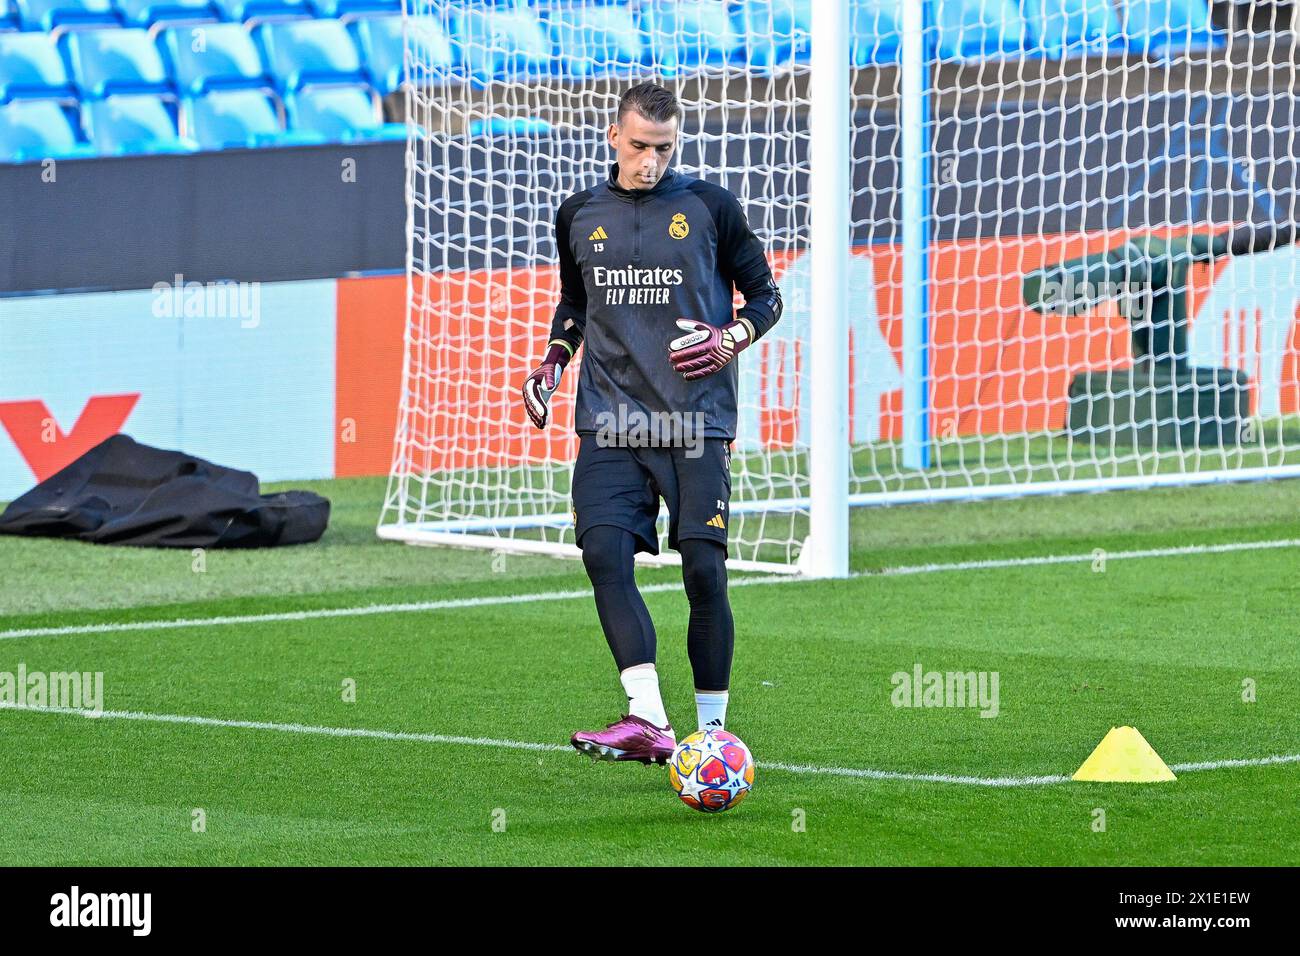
x=649, y=262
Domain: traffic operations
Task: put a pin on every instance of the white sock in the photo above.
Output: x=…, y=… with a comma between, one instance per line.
x=711, y=707
x=642, y=686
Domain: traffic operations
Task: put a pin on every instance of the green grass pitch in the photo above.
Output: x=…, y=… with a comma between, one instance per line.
x=1161, y=642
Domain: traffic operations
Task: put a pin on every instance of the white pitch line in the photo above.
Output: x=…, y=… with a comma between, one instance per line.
x=866, y=774
x=805, y=769
x=1186, y=550
x=539, y=596
x=1248, y=762
x=286, y=728
x=313, y=615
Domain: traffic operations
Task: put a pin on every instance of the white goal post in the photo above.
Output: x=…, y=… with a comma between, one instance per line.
x=994, y=223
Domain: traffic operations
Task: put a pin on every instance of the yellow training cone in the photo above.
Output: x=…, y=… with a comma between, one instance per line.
x=1124, y=756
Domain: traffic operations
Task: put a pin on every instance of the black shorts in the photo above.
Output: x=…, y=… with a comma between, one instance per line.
x=621, y=486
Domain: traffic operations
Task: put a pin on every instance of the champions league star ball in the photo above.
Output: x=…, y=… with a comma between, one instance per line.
x=711, y=770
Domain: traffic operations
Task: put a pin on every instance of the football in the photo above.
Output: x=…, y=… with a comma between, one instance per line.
x=711, y=770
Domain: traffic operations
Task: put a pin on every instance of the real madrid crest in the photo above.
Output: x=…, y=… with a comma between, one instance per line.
x=679, y=228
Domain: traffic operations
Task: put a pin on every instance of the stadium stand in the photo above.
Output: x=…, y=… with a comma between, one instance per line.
x=972, y=29
x=234, y=119
x=49, y=14
x=214, y=57
x=510, y=126
x=8, y=15
x=79, y=52
x=380, y=41
x=246, y=10
x=777, y=29
x=500, y=43
x=689, y=33
x=105, y=62
x=305, y=52
x=33, y=130
x=134, y=123
x=339, y=113
x=30, y=66
x=146, y=13
x=595, y=41
x=1073, y=27
x=876, y=30
x=1169, y=26
x=343, y=8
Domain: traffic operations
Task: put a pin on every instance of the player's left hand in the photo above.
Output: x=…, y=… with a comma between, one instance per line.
x=706, y=348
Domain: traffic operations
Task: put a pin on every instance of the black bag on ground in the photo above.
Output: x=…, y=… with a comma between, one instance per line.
x=122, y=492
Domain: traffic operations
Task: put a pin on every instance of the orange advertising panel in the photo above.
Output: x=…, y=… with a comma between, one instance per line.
x=371, y=317
x=484, y=332
x=996, y=367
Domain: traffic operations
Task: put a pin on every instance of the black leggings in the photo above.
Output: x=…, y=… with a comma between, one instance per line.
x=608, y=553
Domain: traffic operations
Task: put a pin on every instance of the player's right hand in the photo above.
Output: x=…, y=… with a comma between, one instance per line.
x=542, y=383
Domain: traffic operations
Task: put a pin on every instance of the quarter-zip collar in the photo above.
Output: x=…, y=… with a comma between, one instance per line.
x=635, y=195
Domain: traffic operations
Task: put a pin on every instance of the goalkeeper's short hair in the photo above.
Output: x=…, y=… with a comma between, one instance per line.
x=656, y=103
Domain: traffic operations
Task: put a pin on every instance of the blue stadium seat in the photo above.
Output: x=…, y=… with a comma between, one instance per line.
x=32, y=130
x=301, y=52
x=9, y=15
x=228, y=118
x=689, y=33
x=777, y=32
x=240, y=10
x=500, y=43
x=116, y=61
x=145, y=13
x=380, y=40
x=595, y=41
x=1169, y=27
x=48, y=14
x=339, y=113
x=1063, y=28
x=875, y=32
x=30, y=66
x=510, y=126
x=342, y=8
x=225, y=119
x=228, y=58
x=979, y=29
x=120, y=125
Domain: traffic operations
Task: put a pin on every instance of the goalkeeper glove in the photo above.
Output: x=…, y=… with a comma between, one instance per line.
x=708, y=348
x=542, y=383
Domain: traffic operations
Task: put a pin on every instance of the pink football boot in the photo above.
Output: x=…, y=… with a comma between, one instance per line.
x=628, y=738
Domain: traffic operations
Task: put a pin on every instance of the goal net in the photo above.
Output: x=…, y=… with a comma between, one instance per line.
x=1066, y=265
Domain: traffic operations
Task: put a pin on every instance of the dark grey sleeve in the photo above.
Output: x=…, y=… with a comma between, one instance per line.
x=742, y=260
x=571, y=311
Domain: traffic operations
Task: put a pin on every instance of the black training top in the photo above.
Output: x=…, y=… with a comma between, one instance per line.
x=633, y=262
